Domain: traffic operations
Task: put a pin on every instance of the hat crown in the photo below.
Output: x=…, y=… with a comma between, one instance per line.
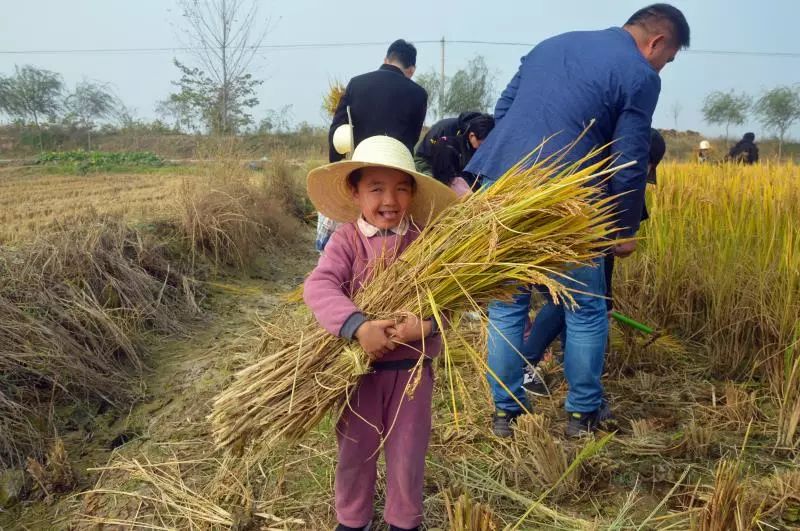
x=705, y=144
x=384, y=151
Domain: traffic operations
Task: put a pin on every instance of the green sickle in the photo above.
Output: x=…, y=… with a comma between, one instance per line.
x=624, y=319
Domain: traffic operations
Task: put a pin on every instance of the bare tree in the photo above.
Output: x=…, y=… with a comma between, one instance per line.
x=676, y=111
x=224, y=36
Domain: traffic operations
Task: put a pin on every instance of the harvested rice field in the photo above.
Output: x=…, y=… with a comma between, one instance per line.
x=706, y=432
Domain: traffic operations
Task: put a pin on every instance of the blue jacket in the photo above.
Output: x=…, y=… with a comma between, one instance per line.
x=561, y=85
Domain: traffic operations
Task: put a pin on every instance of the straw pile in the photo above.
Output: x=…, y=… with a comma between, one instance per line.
x=534, y=223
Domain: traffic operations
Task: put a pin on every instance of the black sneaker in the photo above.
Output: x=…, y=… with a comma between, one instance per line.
x=501, y=422
x=579, y=424
x=534, y=383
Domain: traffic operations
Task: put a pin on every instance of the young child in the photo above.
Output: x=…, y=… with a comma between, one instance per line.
x=380, y=199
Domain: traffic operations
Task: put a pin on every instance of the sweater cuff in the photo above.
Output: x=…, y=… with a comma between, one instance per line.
x=351, y=324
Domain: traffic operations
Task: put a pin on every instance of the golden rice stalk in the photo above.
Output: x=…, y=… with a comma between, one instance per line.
x=534, y=224
x=465, y=514
x=541, y=456
x=789, y=397
x=729, y=505
x=783, y=494
x=170, y=501
x=330, y=101
x=696, y=441
x=740, y=406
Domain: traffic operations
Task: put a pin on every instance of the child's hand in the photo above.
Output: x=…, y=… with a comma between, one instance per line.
x=374, y=338
x=412, y=328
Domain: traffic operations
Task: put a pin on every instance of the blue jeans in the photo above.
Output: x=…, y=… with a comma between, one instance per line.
x=546, y=327
x=550, y=322
x=584, y=352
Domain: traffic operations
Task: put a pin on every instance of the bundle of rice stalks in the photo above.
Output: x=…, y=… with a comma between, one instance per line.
x=465, y=514
x=533, y=224
x=540, y=456
x=729, y=505
x=740, y=406
x=538, y=514
x=330, y=101
x=697, y=440
x=787, y=381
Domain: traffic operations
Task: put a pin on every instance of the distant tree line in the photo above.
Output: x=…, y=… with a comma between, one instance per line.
x=215, y=91
x=776, y=109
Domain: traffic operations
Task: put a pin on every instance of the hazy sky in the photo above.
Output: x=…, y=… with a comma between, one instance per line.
x=300, y=76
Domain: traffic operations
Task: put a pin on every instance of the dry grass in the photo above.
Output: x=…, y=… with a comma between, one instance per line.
x=783, y=491
x=731, y=504
x=30, y=202
x=230, y=214
x=73, y=303
x=56, y=474
x=739, y=406
x=540, y=457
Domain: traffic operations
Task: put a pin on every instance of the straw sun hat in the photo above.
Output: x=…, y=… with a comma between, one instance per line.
x=333, y=198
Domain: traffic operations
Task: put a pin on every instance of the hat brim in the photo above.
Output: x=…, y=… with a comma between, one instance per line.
x=331, y=195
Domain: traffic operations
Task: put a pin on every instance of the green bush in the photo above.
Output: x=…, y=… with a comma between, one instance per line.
x=86, y=161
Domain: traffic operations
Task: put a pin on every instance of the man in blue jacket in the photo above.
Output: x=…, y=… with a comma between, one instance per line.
x=608, y=78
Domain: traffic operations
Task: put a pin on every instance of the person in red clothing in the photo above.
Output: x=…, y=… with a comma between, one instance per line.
x=380, y=199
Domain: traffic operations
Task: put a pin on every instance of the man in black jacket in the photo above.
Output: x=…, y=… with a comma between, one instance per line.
x=384, y=102
x=745, y=151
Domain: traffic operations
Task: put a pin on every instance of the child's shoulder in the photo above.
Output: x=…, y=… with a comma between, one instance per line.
x=345, y=231
x=344, y=235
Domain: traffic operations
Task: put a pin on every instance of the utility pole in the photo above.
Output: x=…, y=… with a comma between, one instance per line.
x=441, y=84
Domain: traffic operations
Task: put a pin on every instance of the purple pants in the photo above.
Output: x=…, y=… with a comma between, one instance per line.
x=381, y=412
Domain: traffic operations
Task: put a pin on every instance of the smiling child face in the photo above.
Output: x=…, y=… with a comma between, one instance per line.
x=384, y=196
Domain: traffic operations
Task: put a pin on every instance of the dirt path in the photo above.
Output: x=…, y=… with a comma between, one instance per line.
x=183, y=376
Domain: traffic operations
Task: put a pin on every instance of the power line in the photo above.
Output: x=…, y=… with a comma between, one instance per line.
x=296, y=46
x=690, y=50
x=307, y=46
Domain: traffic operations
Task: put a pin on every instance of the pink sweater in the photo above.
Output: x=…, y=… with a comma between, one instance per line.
x=343, y=268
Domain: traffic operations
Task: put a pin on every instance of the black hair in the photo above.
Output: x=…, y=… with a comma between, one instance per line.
x=481, y=125
x=445, y=162
x=402, y=52
x=657, y=13
x=749, y=137
x=355, y=176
